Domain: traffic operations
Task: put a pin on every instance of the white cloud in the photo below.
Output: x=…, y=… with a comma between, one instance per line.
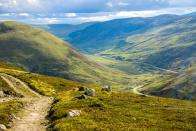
x=52, y=20
x=76, y=18
x=88, y=6
x=128, y=14
x=24, y=14
x=33, y=2
x=70, y=14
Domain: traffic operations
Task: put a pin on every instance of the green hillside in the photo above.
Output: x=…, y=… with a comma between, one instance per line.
x=111, y=34
x=116, y=111
x=38, y=51
x=170, y=46
x=181, y=86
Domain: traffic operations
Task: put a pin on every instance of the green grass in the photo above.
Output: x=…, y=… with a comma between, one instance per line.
x=120, y=111
x=7, y=89
x=180, y=86
x=162, y=46
x=105, y=111
x=38, y=51
x=7, y=110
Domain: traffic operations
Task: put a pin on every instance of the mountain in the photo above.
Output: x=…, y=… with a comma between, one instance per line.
x=171, y=46
x=167, y=46
x=181, y=86
x=38, y=51
x=63, y=30
x=106, y=35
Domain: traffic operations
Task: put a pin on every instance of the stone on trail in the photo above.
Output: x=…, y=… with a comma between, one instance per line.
x=73, y=113
x=2, y=127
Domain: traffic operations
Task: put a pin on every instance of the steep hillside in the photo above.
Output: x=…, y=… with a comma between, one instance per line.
x=41, y=52
x=170, y=46
x=106, y=35
x=182, y=86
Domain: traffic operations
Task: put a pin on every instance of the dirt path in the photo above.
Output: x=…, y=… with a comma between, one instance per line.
x=33, y=116
x=8, y=99
x=136, y=91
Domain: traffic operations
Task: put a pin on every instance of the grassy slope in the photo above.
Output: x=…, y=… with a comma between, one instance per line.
x=180, y=86
x=171, y=46
x=7, y=109
x=39, y=51
x=110, y=34
x=112, y=111
x=122, y=111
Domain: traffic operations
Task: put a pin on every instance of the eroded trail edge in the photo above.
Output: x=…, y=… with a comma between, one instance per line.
x=33, y=116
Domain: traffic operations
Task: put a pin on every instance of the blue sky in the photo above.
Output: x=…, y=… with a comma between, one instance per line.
x=78, y=11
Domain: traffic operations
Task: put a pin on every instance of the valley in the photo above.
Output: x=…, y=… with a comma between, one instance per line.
x=123, y=74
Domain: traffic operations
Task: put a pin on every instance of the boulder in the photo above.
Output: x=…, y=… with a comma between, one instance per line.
x=107, y=88
x=73, y=113
x=2, y=127
x=89, y=92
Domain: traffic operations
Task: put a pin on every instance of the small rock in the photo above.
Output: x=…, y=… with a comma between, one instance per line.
x=2, y=94
x=73, y=113
x=2, y=127
x=81, y=97
x=107, y=88
x=89, y=92
x=133, y=118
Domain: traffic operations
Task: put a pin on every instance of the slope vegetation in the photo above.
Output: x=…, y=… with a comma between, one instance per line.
x=171, y=46
x=111, y=34
x=181, y=86
x=105, y=111
x=38, y=51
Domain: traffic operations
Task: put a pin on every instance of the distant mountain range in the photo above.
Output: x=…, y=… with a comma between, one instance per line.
x=63, y=30
x=164, y=42
x=157, y=52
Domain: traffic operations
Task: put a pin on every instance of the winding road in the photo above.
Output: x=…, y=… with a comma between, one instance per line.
x=136, y=91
